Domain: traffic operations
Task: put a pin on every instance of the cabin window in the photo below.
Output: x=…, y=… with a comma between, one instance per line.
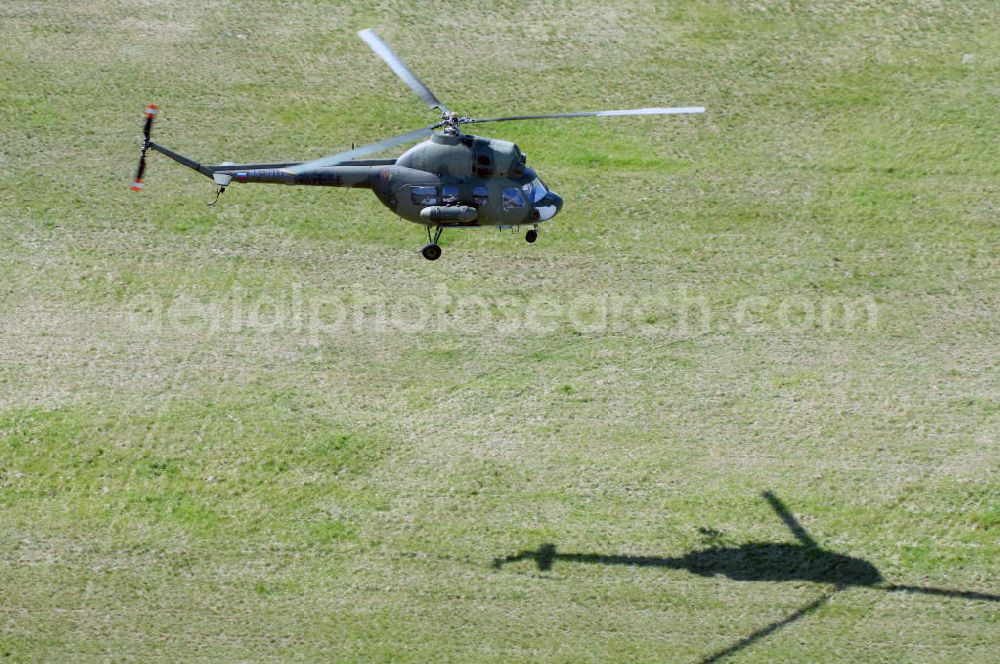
x=512, y=198
x=424, y=195
x=449, y=194
x=480, y=194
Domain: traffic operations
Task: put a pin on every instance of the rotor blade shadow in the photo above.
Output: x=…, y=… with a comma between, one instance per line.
x=943, y=592
x=768, y=630
x=790, y=521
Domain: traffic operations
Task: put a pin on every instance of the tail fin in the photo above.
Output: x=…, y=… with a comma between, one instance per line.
x=151, y=111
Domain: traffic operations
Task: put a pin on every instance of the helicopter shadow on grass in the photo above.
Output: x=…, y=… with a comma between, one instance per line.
x=757, y=561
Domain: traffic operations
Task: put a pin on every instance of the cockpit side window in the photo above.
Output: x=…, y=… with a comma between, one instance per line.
x=512, y=198
x=424, y=195
x=480, y=195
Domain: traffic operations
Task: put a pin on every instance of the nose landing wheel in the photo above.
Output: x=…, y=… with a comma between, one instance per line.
x=531, y=235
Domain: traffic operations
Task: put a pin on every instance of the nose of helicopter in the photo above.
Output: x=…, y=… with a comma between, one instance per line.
x=549, y=206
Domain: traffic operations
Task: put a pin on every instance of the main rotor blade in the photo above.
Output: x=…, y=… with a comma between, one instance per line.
x=371, y=148
x=680, y=110
x=383, y=51
x=944, y=592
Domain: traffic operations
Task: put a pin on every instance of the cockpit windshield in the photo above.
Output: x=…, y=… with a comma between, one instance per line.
x=535, y=190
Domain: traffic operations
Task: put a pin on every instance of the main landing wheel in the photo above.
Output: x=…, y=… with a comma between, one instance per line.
x=431, y=252
x=531, y=236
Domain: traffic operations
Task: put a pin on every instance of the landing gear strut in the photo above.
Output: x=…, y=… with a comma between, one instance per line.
x=431, y=251
x=531, y=235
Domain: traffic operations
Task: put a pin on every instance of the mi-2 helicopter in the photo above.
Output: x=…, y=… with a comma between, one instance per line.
x=451, y=180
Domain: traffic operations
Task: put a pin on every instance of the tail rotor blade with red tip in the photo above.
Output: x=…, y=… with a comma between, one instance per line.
x=151, y=110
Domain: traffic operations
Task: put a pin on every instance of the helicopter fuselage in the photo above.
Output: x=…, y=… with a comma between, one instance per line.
x=448, y=180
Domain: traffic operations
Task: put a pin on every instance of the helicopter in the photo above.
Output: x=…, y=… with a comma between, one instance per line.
x=449, y=180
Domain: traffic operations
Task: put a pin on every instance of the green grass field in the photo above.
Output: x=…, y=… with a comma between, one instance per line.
x=270, y=431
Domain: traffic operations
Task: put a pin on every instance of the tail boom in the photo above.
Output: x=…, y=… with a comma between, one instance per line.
x=363, y=173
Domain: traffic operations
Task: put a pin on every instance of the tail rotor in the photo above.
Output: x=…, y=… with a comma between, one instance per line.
x=151, y=111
